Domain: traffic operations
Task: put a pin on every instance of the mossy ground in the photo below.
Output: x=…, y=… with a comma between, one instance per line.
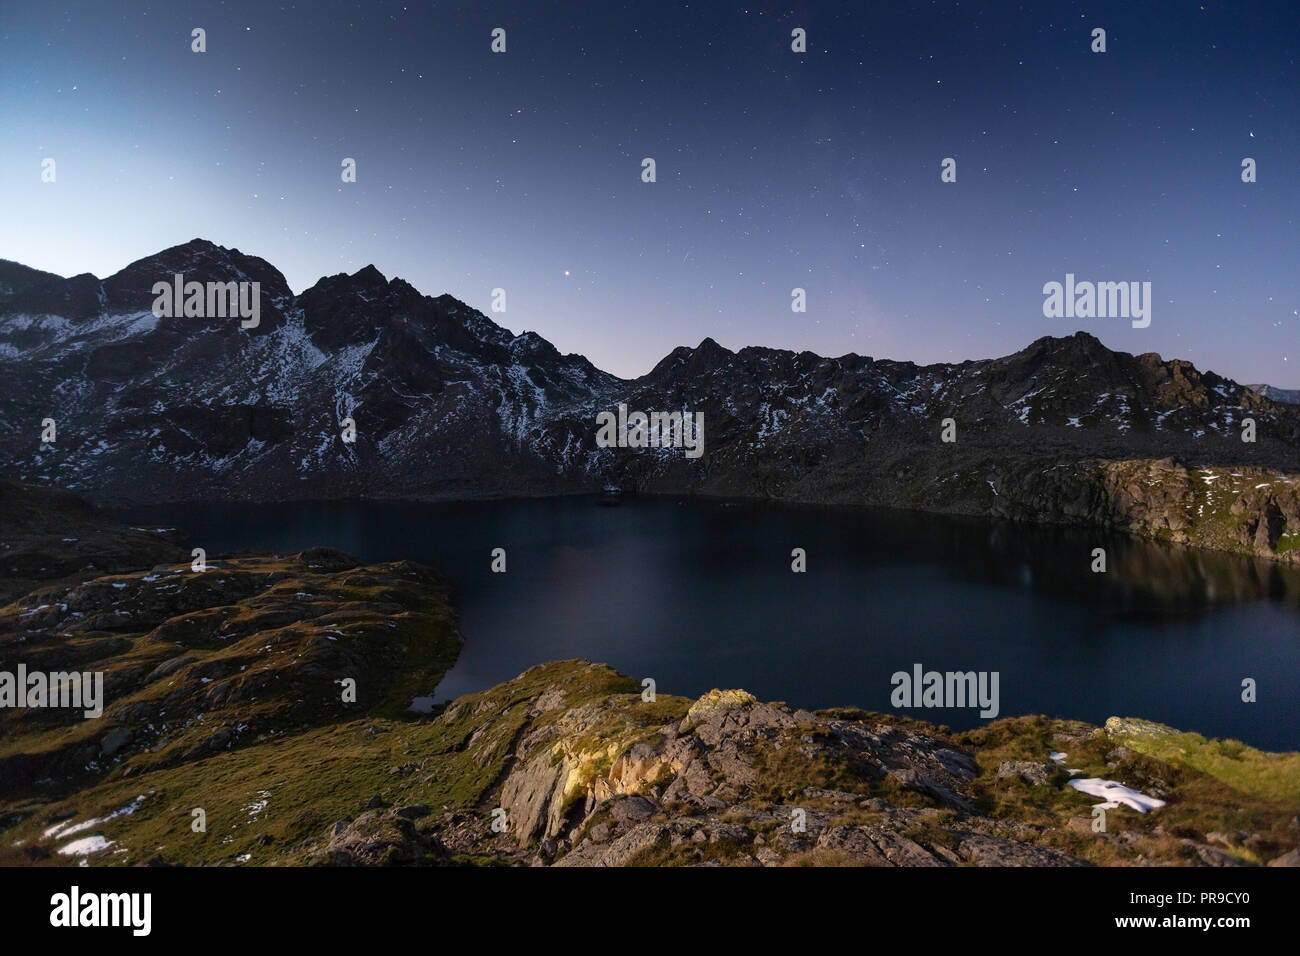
x=269, y=801
x=1209, y=786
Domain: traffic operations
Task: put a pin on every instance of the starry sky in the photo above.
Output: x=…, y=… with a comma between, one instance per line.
x=775, y=169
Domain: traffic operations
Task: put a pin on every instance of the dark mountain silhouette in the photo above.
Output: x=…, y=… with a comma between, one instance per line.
x=446, y=403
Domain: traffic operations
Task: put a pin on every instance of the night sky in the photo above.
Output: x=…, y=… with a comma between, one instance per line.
x=775, y=169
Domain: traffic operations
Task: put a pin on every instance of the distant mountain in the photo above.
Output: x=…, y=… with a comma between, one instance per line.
x=1289, y=395
x=448, y=404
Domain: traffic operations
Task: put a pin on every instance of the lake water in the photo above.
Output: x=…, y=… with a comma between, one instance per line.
x=699, y=594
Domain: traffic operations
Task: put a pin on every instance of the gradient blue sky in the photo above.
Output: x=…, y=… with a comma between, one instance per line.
x=775, y=170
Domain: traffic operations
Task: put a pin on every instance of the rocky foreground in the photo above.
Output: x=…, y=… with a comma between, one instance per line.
x=228, y=738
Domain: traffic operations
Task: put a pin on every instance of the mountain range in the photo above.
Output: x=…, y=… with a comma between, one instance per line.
x=448, y=404
x=1288, y=395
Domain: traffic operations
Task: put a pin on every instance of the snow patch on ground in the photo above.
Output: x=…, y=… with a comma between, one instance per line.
x=60, y=830
x=85, y=846
x=1113, y=794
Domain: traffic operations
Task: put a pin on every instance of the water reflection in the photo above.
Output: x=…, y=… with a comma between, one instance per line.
x=700, y=594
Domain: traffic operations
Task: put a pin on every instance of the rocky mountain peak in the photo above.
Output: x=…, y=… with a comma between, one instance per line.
x=131, y=289
x=709, y=348
x=369, y=277
x=447, y=403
